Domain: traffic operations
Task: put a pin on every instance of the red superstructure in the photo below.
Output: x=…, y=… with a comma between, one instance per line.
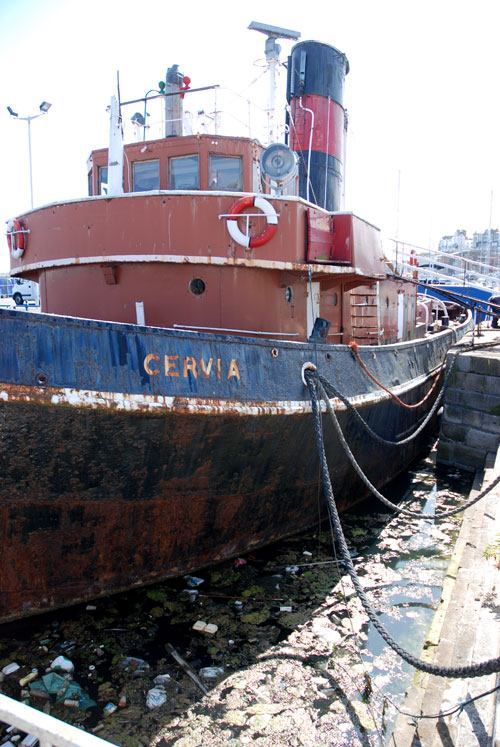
x=171, y=251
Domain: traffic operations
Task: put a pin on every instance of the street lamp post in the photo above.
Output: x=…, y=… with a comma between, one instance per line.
x=44, y=108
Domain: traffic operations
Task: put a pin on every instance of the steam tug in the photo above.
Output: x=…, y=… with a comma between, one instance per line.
x=154, y=415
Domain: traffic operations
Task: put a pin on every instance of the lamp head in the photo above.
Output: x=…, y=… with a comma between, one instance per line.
x=12, y=112
x=45, y=106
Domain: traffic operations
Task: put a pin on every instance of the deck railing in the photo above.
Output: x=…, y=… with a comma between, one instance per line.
x=47, y=729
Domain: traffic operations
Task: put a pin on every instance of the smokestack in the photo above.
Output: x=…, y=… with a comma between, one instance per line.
x=315, y=92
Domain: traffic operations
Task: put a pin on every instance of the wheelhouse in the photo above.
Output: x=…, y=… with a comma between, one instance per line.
x=190, y=162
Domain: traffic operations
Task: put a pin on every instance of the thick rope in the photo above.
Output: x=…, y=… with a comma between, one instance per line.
x=354, y=349
x=474, y=670
x=373, y=489
x=336, y=393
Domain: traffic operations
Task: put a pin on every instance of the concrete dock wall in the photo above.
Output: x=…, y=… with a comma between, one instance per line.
x=470, y=425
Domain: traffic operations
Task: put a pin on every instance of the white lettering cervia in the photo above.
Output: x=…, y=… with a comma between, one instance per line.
x=174, y=366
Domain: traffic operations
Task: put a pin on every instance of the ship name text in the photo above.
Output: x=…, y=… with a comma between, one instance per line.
x=174, y=365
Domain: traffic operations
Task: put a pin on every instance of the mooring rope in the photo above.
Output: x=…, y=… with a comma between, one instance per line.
x=354, y=349
x=373, y=489
x=336, y=393
x=474, y=670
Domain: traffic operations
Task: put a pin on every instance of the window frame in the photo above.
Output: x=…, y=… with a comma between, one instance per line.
x=218, y=188
x=171, y=180
x=144, y=161
x=100, y=170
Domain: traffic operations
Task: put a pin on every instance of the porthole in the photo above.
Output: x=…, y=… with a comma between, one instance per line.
x=289, y=293
x=335, y=299
x=387, y=302
x=197, y=286
x=274, y=353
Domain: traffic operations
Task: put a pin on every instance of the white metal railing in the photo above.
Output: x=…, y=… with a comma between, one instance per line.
x=439, y=266
x=47, y=729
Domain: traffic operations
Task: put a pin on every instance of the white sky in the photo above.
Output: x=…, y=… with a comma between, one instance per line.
x=422, y=95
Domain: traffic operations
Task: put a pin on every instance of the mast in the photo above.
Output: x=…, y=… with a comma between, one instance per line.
x=115, y=153
x=273, y=57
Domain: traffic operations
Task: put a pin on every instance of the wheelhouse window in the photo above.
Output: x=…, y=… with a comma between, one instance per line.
x=102, y=180
x=226, y=173
x=146, y=175
x=183, y=173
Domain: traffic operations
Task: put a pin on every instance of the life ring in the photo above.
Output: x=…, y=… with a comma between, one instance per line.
x=15, y=238
x=250, y=242
x=414, y=263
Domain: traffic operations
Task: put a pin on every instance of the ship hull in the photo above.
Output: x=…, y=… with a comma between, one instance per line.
x=133, y=454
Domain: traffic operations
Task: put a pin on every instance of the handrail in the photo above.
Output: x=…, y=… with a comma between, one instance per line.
x=475, y=272
x=47, y=729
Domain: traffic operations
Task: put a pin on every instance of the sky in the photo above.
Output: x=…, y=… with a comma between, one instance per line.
x=423, y=153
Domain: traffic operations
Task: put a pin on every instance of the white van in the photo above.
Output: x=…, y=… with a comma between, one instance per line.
x=24, y=291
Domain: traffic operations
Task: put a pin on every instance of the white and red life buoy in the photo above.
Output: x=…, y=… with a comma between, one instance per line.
x=250, y=242
x=15, y=238
x=414, y=263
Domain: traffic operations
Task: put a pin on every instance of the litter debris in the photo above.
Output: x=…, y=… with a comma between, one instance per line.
x=193, y=581
x=29, y=740
x=202, y=627
x=132, y=662
x=162, y=679
x=62, y=664
x=10, y=668
x=109, y=709
x=156, y=697
x=71, y=703
x=211, y=673
x=178, y=658
x=239, y=561
x=29, y=677
x=63, y=689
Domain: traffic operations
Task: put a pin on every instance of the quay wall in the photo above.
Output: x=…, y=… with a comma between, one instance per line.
x=470, y=424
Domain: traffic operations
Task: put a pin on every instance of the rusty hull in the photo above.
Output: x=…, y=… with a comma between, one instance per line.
x=112, y=477
x=94, y=501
